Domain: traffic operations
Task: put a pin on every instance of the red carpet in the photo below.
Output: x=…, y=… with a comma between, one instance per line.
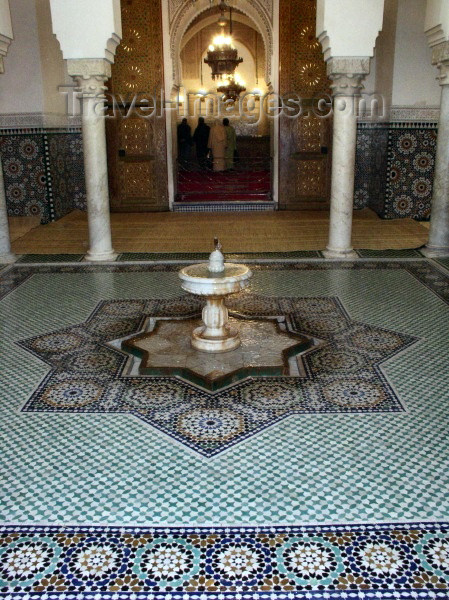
x=230, y=186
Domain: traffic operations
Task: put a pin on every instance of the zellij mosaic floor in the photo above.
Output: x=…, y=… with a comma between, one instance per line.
x=312, y=464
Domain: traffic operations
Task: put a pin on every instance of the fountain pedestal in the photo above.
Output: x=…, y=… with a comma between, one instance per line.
x=216, y=335
x=215, y=280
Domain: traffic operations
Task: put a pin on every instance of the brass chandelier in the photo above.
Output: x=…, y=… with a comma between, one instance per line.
x=223, y=58
x=232, y=89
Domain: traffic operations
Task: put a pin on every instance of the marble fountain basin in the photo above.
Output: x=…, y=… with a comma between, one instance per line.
x=216, y=335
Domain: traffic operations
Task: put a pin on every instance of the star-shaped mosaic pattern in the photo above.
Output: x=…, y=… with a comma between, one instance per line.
x=338, y=370
x=164, y=348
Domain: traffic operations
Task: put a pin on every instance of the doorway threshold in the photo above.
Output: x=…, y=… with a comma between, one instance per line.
x=224, y=206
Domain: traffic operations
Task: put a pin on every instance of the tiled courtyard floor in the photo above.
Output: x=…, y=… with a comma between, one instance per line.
x=329, y=483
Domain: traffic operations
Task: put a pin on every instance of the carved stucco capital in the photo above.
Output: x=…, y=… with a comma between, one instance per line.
x=90, y=75
x=2, y=66
x=440, y=58
x=347, y=74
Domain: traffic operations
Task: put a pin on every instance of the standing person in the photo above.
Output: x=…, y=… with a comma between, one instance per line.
x=184, y=142
x=201, y=139
x=217, y=143
x=231, y=144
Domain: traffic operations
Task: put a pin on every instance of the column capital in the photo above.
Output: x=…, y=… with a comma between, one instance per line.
x=347, y=74
x=90, y=74
x=440, y=58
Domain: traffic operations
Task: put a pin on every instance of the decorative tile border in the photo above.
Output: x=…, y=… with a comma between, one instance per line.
x=49, y=258
x=224, y=207
x=443, y=261
x=406, y=253
x=163, y=256
x=397, y=561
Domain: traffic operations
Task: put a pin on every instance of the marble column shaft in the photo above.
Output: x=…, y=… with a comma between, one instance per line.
x=90, y=75
x=6, y=255
x=346, y=75
x=438, y=242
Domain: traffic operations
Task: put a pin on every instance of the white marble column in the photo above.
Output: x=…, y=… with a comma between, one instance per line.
x=90, y=76
x=438, y=243
x=6, y=256
x=346, y=74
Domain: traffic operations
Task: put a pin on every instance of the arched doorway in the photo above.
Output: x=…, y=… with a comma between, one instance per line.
x=278, y=37
x=248, y=181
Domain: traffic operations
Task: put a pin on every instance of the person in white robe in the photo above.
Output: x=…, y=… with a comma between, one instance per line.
x=217, y=143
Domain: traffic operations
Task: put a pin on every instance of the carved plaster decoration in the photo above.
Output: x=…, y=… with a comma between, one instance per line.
x=39, y=121
x=413, y=113
x=187, y=12
x=347, y=74
x=90, y=74
x=440, y=58
x=175, y=5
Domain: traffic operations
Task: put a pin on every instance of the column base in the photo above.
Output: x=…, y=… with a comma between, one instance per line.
x=7, y=259
x=101, y=256
x=434, y=251
x=340, y=254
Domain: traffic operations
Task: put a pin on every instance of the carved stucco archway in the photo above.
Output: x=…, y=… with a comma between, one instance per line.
x=260, y=12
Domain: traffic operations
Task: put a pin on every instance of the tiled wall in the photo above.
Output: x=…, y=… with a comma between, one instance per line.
x=43, y=172
x=395, y=168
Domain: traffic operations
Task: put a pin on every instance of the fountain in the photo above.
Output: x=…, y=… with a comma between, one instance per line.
x=215, y=280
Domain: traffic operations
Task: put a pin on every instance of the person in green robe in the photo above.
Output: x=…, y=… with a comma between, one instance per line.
x=231, y=145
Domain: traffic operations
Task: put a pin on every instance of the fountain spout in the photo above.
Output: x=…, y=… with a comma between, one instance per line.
x=216, y=258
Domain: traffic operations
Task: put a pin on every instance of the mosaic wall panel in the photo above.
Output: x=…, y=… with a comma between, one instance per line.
x=138, y=69
x=371, y=168
x=67, y=173
x=411, y=159
x=23, y=158
x=395, y=169
x=43, y=172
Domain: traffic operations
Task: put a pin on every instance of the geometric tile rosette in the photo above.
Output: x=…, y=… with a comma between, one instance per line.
x=258, y=563
x=341, y=373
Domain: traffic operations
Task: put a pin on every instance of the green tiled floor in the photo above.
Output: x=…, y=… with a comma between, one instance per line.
x=103, y=468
